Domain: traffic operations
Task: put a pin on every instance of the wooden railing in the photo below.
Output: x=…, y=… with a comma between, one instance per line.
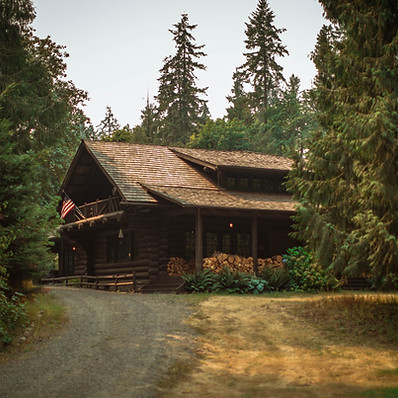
x=93, y=209
x=108, y=282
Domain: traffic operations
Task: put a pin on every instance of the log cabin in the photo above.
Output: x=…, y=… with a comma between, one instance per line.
x=139, y=205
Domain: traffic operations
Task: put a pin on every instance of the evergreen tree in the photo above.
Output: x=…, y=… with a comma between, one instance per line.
x=108, y=125
x=225, y=135
x=261, y=69
x=179, y=99
x=240, y=107
x=290, y=119
x=40, y=126
x=348, y=185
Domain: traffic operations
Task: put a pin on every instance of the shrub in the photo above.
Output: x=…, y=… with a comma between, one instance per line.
x=277, y=278
x=12, y=313
x=232, y=281
x=304, y=274
x=200, y=282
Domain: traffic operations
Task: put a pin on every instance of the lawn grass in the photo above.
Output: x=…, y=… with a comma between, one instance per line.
x=360, y=316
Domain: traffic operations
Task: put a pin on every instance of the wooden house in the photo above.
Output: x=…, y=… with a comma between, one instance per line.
x=144, y=204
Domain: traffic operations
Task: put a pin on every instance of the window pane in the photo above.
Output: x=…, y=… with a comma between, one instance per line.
x=226, y=243
x=231, y=182
x=256, y=184
x=244, y=183
x=189, y=245
x=268, y=184
x=211, y=243
x=243, y=244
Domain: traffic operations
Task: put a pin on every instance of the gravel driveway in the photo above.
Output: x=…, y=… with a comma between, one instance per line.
x=115, y=345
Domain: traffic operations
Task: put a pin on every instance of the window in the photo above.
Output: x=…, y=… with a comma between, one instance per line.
x=189, y=245
x=256, y=184
x=268, y=184
x=231, y=182
x=244, y=183
x=226, y=243
x=68, y=261
x=211, y=243
x=243, y=244
x=122, y=249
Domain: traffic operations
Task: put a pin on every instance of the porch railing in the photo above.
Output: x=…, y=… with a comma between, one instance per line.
x=93, y=209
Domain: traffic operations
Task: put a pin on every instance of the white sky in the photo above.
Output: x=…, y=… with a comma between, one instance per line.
x=117, y=47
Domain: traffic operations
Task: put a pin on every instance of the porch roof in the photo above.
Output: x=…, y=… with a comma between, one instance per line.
x=221, y=198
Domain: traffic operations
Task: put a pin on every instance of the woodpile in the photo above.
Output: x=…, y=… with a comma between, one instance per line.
x=273, y=262
x=233, y=261
x=238, y=263
x=177, y=266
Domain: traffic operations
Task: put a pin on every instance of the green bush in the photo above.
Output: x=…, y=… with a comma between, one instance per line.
x=304, y=274
x=229, y=281
x=12, y=314
x=277, y=278
x=200, y=282
x=390, y=282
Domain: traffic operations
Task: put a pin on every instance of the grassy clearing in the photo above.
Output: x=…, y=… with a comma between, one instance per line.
x=367, y=318
x=291, y=346
x=45, y=316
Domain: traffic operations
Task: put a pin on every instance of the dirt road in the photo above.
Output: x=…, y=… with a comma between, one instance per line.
x=115, y=345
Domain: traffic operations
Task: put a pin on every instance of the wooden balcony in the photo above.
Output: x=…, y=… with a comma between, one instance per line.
x=94, y=209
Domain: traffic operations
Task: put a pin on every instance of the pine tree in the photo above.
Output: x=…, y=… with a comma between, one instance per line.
x=40, y=126
x=290, y=119
x=348, y=185
x=179, y=98
x=107, y=126
x=261, y=69
x=240, y=108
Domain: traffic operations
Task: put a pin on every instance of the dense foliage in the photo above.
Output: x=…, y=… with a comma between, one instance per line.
x=12, y=311
x=348, y=183
x=299, y=273
x=40, y=125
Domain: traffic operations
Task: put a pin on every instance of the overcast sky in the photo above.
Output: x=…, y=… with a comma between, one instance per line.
x=117, y=47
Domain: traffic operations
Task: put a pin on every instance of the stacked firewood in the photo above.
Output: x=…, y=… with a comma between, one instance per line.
x=237, y=263
x=273, y=262
x=177, y=266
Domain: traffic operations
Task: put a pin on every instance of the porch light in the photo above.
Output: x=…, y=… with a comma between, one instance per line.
x=231, y=225
x=120, y=236
x=73, y=248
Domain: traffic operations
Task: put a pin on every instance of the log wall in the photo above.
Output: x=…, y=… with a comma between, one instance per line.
x=146, y=265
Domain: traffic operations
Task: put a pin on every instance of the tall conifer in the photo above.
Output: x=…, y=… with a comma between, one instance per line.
x=261, y=69
x=348, y=184
x=180, y=100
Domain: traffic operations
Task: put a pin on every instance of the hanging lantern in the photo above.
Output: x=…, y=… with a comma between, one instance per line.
x=120, y=236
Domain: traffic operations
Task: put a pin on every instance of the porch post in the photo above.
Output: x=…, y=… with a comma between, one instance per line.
x=198, y=241
x=255, y=242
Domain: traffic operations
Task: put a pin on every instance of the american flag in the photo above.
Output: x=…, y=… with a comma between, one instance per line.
x=67, y=206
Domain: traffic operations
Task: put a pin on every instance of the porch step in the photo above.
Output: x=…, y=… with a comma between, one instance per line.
x=164, y=284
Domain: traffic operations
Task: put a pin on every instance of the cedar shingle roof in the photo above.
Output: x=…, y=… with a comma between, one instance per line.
x=241, y=159
x=222, y=199
x=143, y=173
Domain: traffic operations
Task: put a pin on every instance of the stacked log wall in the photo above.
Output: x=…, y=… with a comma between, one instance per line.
x=146, y=265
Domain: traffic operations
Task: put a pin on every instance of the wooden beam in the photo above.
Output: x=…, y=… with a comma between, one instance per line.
x=254, y=250
x=198, y=241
